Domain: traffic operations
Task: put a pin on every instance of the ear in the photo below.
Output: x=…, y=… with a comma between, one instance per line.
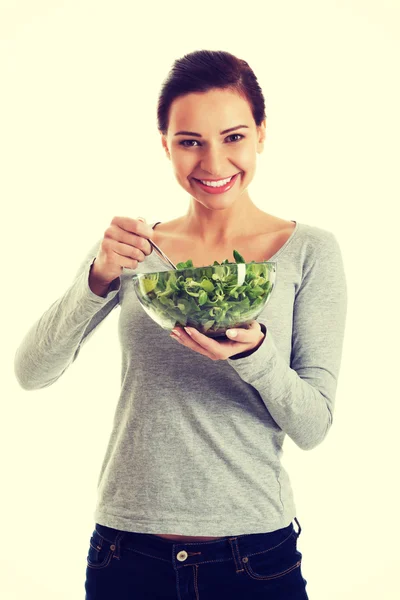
x=261, y=131
x=165, y=145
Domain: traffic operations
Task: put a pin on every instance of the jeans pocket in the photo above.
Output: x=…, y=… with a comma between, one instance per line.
x=100, y=551
x=274, y=563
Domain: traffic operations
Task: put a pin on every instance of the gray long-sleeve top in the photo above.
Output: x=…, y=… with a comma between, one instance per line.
x=196, y=444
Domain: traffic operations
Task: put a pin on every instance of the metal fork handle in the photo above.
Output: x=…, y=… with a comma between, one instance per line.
x=161, y=253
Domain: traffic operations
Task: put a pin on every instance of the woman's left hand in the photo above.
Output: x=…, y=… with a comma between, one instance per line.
x=245, y=340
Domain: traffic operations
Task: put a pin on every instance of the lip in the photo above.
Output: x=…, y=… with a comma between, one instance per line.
x=214, y=190
x=221, y=179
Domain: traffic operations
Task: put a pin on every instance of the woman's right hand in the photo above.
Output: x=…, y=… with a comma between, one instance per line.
x=125, y=244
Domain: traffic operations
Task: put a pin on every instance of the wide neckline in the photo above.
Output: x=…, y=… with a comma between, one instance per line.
x=272, y=258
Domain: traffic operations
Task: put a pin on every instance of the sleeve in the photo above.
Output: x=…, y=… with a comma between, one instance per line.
x=301, y=397
x=55, y=339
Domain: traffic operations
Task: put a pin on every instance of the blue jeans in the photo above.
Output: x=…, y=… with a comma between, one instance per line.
x=125, y=565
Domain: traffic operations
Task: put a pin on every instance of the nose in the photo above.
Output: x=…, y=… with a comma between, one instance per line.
x=214, y=161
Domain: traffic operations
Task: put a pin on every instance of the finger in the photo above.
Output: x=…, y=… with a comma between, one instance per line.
x=214, y=349
x=186, y=340
x=115, y=232
x=133, y=226
x=245, y=336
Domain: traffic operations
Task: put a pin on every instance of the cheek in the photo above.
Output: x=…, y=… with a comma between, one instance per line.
x=183, y=165
x=246, y=158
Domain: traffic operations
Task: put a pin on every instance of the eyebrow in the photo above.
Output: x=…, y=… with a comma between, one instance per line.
x=221, y=132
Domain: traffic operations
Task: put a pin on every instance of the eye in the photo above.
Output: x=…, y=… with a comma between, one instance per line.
x=239, y=134
x=183, y=142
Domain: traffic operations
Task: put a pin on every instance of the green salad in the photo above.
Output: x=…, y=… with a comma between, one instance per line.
x=209, y=298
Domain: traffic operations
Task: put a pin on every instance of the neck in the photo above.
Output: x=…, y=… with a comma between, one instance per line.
x=220, y=227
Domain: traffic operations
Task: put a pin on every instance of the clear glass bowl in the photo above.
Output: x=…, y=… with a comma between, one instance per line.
x=210, y=299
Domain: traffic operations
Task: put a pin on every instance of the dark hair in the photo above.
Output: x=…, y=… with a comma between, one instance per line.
x=204, y=70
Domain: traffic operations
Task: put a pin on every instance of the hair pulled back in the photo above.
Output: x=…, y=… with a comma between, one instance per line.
x=204, y=70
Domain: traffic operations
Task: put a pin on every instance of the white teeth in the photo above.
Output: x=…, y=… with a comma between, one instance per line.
x=216, y=183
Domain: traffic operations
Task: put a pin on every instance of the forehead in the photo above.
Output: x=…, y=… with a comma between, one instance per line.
x=219, y=106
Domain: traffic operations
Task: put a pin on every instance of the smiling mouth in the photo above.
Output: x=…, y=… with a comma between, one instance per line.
x=216, y=180
x=217, y=188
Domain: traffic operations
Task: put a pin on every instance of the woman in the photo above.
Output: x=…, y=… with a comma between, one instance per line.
x=193, y=502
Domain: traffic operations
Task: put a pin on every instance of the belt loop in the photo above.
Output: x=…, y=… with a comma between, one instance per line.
x=236, y=554
x=298, y=533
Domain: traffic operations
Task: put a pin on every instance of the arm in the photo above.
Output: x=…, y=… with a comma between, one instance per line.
x=301, y=397
x=97, y=287
x=55, y=339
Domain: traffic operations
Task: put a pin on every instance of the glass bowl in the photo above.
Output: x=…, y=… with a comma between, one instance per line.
x=210, y=299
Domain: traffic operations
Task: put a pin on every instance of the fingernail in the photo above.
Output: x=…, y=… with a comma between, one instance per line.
x=231, y=333
x=187, y=331
x=176, y=332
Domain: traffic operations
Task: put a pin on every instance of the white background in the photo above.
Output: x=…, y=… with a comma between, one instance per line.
x=79, y=144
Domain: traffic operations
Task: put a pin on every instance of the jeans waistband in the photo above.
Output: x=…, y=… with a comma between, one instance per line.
x=226, y=548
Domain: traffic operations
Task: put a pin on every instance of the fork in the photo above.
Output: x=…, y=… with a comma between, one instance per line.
x=162, y=255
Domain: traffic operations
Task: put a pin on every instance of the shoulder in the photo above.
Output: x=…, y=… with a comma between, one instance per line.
x=316, y=239
x=319, y=252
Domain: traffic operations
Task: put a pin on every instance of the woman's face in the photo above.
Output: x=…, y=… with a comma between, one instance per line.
x=204, y=152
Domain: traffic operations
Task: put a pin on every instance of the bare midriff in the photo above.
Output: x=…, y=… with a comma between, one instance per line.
x=186, y=538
